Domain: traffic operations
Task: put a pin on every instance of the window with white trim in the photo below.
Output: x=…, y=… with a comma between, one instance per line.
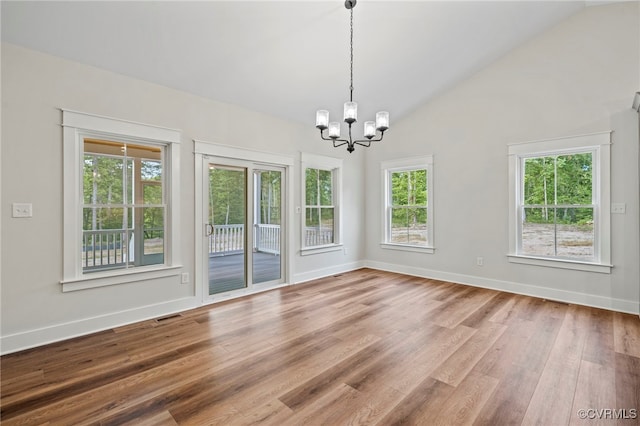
x=321, y=195
x=408, y=204
x=118, y=187
x=560, y=202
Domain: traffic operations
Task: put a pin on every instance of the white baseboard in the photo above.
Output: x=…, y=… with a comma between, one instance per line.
x=619, y=305
x=325, y=272
x=55, y=333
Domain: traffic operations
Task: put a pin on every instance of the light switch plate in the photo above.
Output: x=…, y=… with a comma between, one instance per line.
x=22, y=210
x=619, y=208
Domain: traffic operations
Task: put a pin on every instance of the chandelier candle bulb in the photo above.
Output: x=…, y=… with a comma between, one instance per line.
x=350, y=112
x=369, y=129
x=382, y=120
x=334, y=130
x=322, y=119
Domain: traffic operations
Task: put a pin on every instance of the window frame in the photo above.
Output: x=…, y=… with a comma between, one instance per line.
x=400, y=165
x=76, y=127
x=599, y=145
x=334, y=165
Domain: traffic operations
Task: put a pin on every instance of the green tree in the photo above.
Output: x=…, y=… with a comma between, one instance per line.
x=409, y=198
x=553, y=185
x=226, y=196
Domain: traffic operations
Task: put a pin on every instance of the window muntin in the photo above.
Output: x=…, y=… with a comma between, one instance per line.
x=319, y=207
x=407, y=207
x=558, y=206
x=124, y=209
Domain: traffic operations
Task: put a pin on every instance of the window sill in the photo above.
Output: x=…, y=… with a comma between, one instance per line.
x=104, y=279
x=320, y=249
x=561, y=263
x=407, y=247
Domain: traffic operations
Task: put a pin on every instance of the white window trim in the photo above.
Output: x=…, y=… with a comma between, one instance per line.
x=386, y=167
x=600, y=143
x=78, y=125
x=322, y=162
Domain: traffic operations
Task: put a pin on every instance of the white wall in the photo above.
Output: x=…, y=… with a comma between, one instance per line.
x=577, y=78
x=34, y=88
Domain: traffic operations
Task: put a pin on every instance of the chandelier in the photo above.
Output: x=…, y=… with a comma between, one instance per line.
x=371, y=128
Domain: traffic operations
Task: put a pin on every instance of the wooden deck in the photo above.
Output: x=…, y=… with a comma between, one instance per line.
x=364, y=347
x=227, y=272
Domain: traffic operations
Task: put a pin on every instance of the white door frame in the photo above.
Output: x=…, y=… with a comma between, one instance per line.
x=209, y=152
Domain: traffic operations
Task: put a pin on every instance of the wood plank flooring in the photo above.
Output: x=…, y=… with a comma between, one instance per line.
x=365, y=347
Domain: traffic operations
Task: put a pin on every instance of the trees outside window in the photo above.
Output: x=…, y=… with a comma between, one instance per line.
x=408, y=207
x=319, y=207
x=123, y=205
x=321, y=194
x=558, y=206
x=408, y=203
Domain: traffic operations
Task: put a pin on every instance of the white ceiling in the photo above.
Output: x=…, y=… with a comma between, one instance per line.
x=287, y=58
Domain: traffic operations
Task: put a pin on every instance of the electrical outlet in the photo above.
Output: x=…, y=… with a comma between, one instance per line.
x=346, y=251
x=185, y=278
x=22, y=210
x=479, y=261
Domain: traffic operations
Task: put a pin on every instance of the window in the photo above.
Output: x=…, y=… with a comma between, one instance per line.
x=118, y=188
x=321, y=230
x=124, y=209
x=408, y=204
x=560, y=208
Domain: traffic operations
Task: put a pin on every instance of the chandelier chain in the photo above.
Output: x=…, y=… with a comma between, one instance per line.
x=351, y=62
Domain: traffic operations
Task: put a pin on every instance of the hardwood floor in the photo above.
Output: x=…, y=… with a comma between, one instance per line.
x=365, y=347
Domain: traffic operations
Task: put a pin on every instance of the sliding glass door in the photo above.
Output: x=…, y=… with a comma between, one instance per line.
x=267, y=225
x=227, y=217
x=244, y=229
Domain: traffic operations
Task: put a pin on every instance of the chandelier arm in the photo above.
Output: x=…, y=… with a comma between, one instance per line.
x=368, y=141
x=323, y=137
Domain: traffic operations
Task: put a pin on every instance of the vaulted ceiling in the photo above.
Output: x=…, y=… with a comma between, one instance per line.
x=287, y=58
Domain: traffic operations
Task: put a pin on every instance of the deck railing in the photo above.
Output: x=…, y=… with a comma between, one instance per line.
x=108, y=248
x=105, y=247
x=267, y=238
x=226, y=239
x=318, y=236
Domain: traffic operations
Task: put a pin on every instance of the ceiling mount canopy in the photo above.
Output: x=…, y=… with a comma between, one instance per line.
x=373, y=130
